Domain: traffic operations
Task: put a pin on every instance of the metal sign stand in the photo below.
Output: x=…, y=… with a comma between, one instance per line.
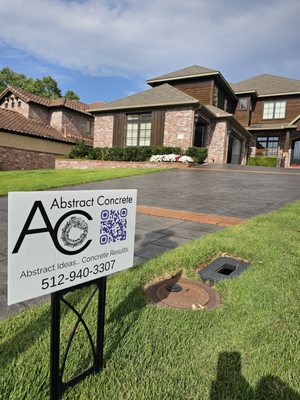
x=57, y=385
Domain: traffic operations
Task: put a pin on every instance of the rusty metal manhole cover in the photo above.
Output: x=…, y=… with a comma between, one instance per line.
x=194, y=295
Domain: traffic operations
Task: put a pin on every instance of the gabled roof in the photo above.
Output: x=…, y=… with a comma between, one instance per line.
x=267, y=85
x=195, y=71
x=217, y=112
x=75, y=105
x=163, y=95
x=189, y=72
x=13, y=121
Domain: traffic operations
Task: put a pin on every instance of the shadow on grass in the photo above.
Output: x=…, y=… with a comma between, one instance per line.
x=230, y=384
x=124, y=317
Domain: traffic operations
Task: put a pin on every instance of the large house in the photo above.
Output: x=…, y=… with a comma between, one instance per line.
x=34, y=130
x=196, y=106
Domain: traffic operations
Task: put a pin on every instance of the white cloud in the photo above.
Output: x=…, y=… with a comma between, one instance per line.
x=128, y=37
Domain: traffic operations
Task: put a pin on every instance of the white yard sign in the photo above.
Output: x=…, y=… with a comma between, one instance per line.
x=61, y=239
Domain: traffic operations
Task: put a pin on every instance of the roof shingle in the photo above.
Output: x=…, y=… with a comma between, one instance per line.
x=158, y=96
x=266, y=84
x=194, y=70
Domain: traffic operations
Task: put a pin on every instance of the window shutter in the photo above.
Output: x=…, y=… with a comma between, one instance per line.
x=157, y=127
x=119, y=129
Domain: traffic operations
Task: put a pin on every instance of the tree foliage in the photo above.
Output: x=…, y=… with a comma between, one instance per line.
x=45, y=87
x=70, y=95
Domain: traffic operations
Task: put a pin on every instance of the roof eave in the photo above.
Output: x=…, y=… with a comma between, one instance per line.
x=149, y=81
x=187, y=103
x=278, y=94
x=272, y=128
x=246, y=92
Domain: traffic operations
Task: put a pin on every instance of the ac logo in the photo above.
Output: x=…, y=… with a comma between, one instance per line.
x=73, y=223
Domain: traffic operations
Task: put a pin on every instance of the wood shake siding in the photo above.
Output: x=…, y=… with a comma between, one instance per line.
x=157, y=127
x=200, y=90
x=291, y=111
x=222, y=95
x=243, y=116
x=119, y=129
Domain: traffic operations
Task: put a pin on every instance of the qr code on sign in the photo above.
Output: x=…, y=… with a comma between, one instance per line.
x=113, y=225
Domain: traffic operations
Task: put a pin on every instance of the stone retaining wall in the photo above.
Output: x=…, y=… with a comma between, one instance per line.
x=15, y=159
x=94, y=164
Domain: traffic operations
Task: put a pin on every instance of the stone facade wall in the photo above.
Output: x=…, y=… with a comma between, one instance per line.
x=15, y=159
x=179, y=127
x=217, y=142
x=103, y=130
x=19, y=105
x=56, y=120
x=94, y=164
x=76, y=124
x=39, y=113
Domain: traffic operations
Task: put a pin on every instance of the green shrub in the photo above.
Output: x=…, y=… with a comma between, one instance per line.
x=199, y=154
x=166, y=150
x=80, y=150
x=263, y=161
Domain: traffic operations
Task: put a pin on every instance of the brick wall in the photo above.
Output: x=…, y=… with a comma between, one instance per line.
x=94, y=164
x=217, y=142
x=15, y=159
x=179, y=127
x=103, y=130
x=76, y=124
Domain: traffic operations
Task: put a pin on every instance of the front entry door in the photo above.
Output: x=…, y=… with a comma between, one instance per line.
x=234, y=150
x=296, y=153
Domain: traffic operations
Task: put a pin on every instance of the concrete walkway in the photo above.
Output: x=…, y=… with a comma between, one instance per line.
x=176, y=206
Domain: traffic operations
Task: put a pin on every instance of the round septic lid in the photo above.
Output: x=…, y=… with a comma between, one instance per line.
x=194, y=295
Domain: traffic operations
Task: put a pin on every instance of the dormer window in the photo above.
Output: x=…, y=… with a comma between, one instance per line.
x=243, y=103
x=274, y=109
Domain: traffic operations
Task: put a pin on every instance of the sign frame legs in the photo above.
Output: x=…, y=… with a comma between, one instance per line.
x=57, y=385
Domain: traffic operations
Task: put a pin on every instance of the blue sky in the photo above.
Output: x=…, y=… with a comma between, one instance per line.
x=106, y=49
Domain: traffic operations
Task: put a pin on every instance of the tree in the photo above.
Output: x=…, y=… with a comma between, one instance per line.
x=45, y=87
x=70, y=95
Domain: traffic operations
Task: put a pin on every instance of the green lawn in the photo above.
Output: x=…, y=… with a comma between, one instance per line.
x=155, y=354
x=51, y=178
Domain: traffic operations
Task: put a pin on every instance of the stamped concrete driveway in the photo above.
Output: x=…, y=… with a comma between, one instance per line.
x=239, y=192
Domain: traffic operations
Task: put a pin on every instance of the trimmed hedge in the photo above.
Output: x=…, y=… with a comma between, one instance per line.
x=263, y=161
x=135, y=153
x=199, y=154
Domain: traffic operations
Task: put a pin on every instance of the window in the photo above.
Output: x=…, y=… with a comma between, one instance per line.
x=274, y=109
x=243, y=104
x=6, y=105
x=225, y=104
x=12, y=104
x=267, y=146
x=216, y=96
x=19, y=103
x=138, y=130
